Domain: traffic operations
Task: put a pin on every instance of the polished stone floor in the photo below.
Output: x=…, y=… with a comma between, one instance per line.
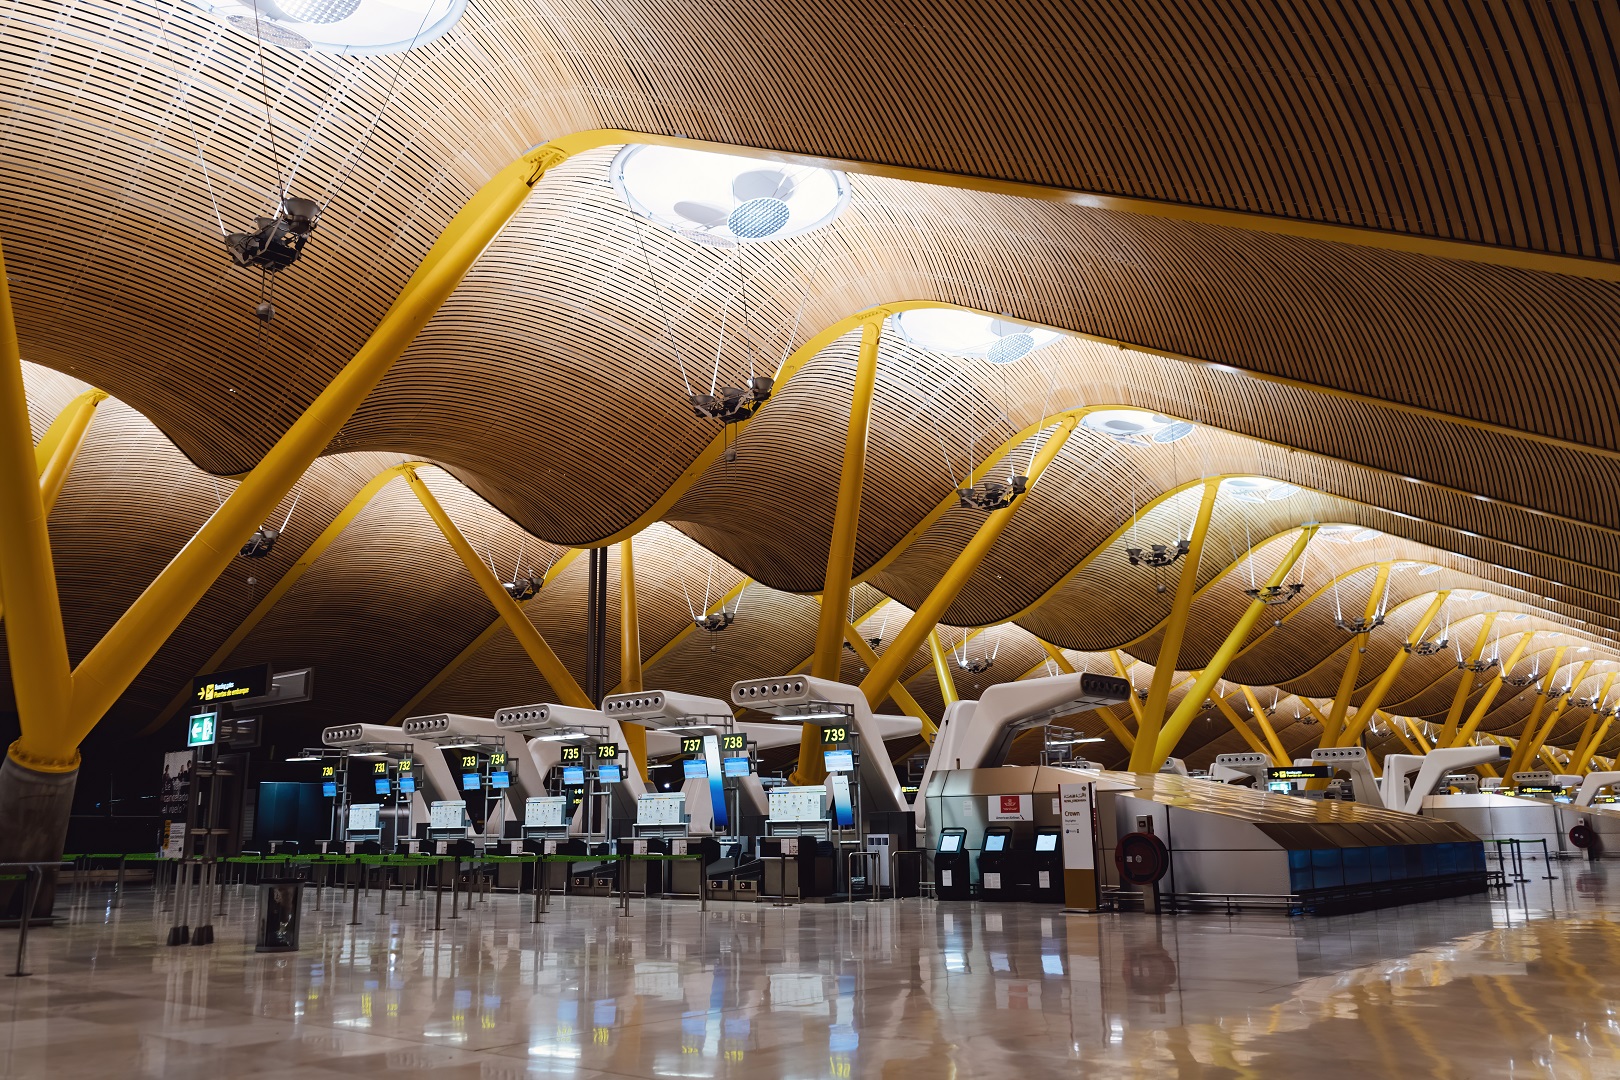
x=1518, y=987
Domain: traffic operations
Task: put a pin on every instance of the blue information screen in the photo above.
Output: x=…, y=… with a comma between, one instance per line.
x=470, y=781
x=839, y=760
x=500, y=779
x=382, y=786
x=329, y=789
x=737, y=766
x=695, y=770
x=608, y=774
x=574, y=775
x=407, y=784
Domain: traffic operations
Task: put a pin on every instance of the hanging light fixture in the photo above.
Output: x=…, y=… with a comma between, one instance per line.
x=722, y=617
x=1430, y=647
x=975, y=664
x=1360, y=625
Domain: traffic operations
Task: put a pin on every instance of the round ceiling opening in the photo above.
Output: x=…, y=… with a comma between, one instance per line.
x=970, y=334
x=355, y=27
x=721, y=199
x=1136, y=427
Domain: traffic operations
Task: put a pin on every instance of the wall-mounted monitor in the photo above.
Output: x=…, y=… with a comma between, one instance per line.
x=471, y=781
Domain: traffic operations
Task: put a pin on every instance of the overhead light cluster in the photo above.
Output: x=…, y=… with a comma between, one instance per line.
x=524, y=586
x=1136, y=427
x=992, y=493
x=350, y=27
x=1271, y=595
x=1158, y=554
x=952, y=332
x=716, y=621
x=723, y=200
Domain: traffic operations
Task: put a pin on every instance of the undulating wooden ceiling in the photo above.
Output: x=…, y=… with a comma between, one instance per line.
x=1282, y=279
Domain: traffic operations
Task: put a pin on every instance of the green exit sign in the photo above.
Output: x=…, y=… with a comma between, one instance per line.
x=201, y=729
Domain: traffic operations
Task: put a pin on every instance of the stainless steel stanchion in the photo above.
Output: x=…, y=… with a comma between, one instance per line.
x=438, y=898
x=118, y=889
x=31, y=879
x=703, y=886
x=538, y=865
x=624, y=888
x=382, y=890
x=455, y=890
x=354, y=911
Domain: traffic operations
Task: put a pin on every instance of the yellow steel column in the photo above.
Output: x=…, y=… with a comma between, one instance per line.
x=41, y=681
x=1484, y=704
x=635, y=736
x=1123, y=670
x=826, y=660
x=110, y=666
x=1459, y=700
x=1110, y=721
x=1375, y=697
x=911, y=637
x=942, y=669
x=56, y=452
x=1176, y=726
x=1580, y=764
x=902, y=697
x=1352, y=663
x=1405, y=740
x=1175, y=628
x=1524, y=746
x=1592, y=720
x=1241, y=728
x=1277, y=752
x=846, y=519
x=1540, y=737
x=296, y=571
x=562, y=683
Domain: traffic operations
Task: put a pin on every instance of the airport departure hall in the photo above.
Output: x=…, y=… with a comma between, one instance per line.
x=922, y=539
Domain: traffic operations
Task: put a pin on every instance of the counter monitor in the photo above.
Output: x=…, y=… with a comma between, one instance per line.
x=470, y=781
x=694, y=770
x=500, y=779
x=736, y=766
x=381, y=785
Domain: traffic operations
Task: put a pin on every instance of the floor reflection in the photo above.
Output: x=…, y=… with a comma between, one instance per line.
x=1509, y=986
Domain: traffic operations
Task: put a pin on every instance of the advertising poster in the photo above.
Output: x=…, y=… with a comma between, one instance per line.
x=174, y=793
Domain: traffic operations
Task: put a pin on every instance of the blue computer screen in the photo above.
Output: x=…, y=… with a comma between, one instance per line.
x=500, y=779
x=382, y=786
x=574, y=775
x=694, y=770
x=736, y=766
x=329, y=789
x=407, y=784
x=608, y=774
x=471, y=781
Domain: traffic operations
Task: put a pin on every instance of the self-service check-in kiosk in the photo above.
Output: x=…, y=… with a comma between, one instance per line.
x=1002, y=873
x=953, y=877
x=1047, y=866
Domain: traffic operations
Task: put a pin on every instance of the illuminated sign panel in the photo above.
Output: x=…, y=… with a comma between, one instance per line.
x=734, y=742
x=234, y=685
x=571, y=752
x=1301, y=772
x=691, y=744
x=607, y=752
x=835, y=735
x=201, y=729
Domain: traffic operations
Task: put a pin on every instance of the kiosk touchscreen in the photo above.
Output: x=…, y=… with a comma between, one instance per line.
x=1048, y=866
x=996, y=864
x=951, y=872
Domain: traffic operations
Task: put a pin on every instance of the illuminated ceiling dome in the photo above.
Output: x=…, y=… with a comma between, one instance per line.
x=723, y=199
x=968, y=333
x=356, y=27
x=1136, y=427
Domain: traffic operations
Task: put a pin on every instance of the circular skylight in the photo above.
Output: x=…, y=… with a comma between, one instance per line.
x=967, y=333
x=355, y=27
x=1432, y=568
x=1136, y=427
x=722, y=200
x=1257, y=489
x=1365, y=535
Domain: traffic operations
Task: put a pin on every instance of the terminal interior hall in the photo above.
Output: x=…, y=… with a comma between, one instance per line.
x=906, y=539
